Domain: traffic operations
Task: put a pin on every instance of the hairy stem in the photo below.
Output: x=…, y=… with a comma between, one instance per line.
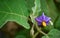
x=35, y=35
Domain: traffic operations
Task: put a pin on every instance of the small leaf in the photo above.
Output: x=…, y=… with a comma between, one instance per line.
x=36, y=10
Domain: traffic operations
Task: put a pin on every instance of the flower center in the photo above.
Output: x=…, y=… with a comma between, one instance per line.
x=44, y=24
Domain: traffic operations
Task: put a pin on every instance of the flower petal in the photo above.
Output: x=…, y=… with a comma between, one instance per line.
x=47, y=19
x=47, y=22
x=38, y=19
x=39, y=23
x=43, y=16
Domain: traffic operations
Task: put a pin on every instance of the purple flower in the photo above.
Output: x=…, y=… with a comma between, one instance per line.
x=43, y=20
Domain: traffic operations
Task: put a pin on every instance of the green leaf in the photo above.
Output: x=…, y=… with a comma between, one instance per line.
x=57, y=23
x=54, y=33
x=36, y=10
x=45, y=37
x=14, y=10
x=30, y=4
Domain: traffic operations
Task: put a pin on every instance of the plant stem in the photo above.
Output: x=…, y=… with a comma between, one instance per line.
x=32, y=31
x=35, y=35
x=39, y=30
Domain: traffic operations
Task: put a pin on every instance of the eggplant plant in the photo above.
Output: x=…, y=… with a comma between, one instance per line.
x=30, y=18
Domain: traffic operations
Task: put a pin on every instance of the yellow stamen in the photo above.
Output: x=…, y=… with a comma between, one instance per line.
x=44, y=24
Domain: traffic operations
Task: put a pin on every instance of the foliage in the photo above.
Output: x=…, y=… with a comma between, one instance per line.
x=19, y=11
x=54, y=33
x=14, y=10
